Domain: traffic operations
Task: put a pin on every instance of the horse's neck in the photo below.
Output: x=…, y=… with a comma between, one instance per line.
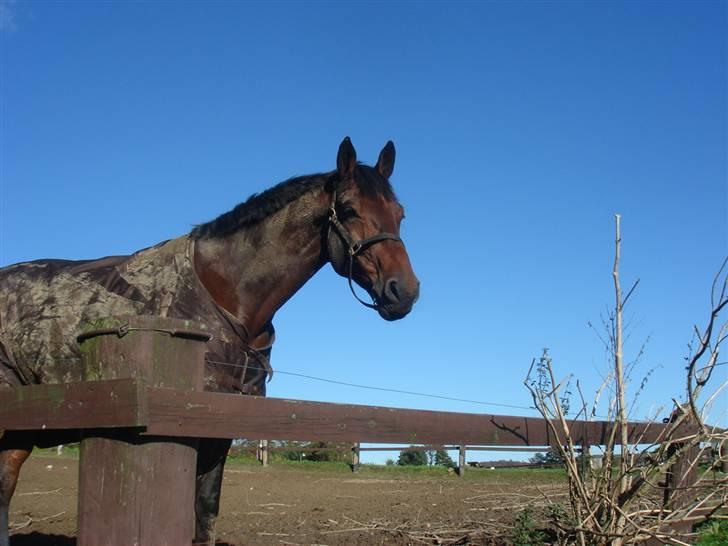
x=253, y=272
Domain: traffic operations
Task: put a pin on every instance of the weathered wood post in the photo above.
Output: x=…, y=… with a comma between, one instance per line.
x=263, y=450
x=585, y=466
x=585, y=460
x=461, y=460
x=355, y=457
x=136, y=489
x=720, y=449
x=679, y=479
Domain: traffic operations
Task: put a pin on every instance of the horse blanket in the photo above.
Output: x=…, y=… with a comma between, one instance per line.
x=45, y=303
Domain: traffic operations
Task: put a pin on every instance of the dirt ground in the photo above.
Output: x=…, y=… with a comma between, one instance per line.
x=309, y=504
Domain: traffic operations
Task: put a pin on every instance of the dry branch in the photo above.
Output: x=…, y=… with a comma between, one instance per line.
x=639, y=494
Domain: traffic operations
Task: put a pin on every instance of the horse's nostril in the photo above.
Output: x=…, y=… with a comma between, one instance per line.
x=391, y=291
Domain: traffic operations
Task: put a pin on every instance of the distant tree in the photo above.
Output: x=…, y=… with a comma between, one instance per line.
x=293, y=455
x=413, y=458
x=550, y=457
x=241, y=446
x=342, y=455
x=442, y=458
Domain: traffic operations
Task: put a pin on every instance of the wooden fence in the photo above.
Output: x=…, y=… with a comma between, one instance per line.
x=138, y=419
x=263, y=448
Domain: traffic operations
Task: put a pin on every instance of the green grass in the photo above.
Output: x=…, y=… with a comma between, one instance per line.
x=70, y=451
x=713, y=533
x=507, y=475
x=511, y=475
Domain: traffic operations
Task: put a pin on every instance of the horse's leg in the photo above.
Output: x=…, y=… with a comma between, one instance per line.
x=13, y=453
x=211, y=457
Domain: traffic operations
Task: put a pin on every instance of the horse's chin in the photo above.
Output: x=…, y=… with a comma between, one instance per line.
x=391, y=314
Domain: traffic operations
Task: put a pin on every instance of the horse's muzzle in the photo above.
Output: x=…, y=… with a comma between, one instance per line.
x=397, y=297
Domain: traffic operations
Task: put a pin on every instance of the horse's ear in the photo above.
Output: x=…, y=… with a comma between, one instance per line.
x=346, y=160
x=385, y=165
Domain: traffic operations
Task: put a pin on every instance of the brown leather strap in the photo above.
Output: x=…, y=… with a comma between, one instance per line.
x=356, y=247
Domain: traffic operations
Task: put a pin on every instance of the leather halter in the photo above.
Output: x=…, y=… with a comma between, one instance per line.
x=354, y=247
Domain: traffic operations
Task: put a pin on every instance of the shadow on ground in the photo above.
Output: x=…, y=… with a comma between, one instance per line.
x=42, y=539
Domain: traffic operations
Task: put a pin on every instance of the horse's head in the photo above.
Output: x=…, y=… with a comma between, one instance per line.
x=363, y=233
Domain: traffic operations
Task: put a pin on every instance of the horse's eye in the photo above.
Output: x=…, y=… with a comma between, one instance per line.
x=347, y=212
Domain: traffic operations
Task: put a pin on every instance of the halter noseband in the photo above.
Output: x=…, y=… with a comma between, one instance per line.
x=355, y=247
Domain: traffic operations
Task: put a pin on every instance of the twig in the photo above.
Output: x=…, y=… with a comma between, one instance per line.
x=39, y=492
x=16, y=526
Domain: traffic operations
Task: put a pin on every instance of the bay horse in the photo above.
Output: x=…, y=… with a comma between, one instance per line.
x=231, y=274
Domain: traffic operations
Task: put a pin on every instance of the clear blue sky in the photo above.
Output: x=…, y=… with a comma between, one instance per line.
x=521, y=128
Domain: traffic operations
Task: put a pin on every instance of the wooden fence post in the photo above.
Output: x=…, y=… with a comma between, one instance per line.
x=585, y=461
x=263, y=450
x=461, y=461
x=136, y=489
x=677, y=477
x=719, y=450
x=680, y=476
x=681, y=473
x=355, y=457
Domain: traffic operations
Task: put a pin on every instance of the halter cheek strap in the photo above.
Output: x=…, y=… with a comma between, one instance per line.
x=355, y=247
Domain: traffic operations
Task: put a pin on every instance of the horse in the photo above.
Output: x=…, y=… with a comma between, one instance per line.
x=231, y=274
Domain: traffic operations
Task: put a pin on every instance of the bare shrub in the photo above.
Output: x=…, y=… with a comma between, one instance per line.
x=641, y=492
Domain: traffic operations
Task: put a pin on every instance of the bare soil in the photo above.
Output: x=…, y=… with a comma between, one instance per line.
x=314, y=503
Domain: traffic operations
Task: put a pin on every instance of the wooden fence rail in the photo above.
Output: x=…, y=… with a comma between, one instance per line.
x=137, y=424
x=131, y=403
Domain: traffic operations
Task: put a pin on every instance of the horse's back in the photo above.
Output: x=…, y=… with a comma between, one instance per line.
x=44, y=304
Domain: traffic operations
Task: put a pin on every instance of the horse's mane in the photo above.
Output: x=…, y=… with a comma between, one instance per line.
x=260, y=206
